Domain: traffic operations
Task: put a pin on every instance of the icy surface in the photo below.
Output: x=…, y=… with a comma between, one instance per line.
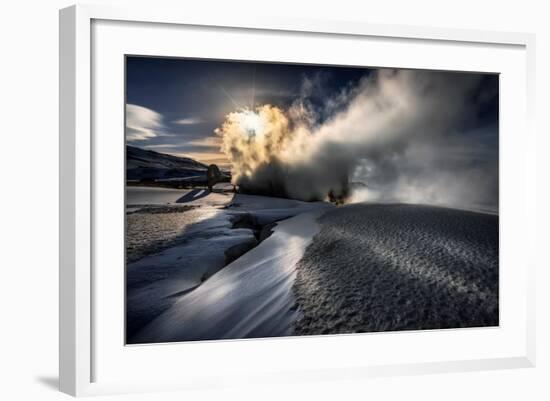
x=152, y=195
x=174, y=250
x=398, y=267
x=250, y=297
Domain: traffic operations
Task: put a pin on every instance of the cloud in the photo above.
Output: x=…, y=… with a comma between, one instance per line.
x=207, y=158
x=209, y=143
x=142, y=123
x=410, y=136
x=205, y=149
x=147, y=127
x=189, y=121
x=163, y=146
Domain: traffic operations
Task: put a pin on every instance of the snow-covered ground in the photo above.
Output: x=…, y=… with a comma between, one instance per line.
x=399, y=267
x=152, y=195
x=159, y=283
x=251, y=297
x=324, y=269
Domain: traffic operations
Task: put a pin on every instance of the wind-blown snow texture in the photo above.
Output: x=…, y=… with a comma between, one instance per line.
x=398, y=267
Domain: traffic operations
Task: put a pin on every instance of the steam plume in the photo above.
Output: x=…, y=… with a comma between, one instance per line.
x=409, y=136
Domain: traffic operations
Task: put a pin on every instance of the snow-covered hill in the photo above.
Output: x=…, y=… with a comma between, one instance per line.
x=148, y=164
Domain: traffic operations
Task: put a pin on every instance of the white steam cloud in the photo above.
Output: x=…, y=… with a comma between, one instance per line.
x=400, y=133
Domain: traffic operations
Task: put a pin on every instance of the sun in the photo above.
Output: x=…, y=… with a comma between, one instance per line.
x=251, y=122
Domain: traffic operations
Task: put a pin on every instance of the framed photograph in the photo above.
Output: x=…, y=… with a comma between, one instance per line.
x=276, y=200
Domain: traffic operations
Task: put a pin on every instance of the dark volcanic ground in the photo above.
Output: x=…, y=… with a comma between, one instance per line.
x=398, y=267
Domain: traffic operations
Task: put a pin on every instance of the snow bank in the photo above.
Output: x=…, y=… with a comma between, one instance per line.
x=251, y=297
x=157, y=281
x=267, y=209
x=154, y=282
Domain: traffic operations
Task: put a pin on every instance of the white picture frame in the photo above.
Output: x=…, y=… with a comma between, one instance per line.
x=78, y=218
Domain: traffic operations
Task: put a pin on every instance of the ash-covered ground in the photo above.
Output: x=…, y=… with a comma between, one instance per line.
x=398, y=267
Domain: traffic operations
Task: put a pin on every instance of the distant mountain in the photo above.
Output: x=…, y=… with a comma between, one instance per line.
x=147, y=164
